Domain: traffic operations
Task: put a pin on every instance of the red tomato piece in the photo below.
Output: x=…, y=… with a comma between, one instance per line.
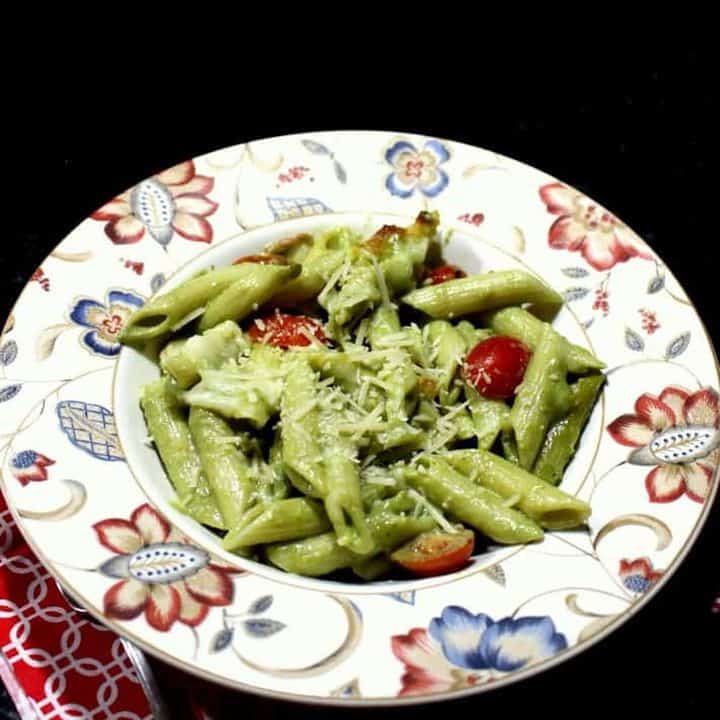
x=435, y=553
x=443, y=273
x=262, y=259
x=284, y=331
x=496, y=366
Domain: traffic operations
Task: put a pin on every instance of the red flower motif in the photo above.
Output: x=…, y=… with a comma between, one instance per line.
x=187, y=600
x=472, y=219
x=674, y=407
x=30, y=466
x=427, y=670
x=41, y=279
x=297, y=172
x=588, y=228
x=171, y=201
x=649, y=321
x=638, y=576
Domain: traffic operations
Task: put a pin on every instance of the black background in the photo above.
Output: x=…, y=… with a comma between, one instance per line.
x=637, y=137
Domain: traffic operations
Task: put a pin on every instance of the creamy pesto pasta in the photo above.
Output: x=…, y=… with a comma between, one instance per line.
x=407, y=413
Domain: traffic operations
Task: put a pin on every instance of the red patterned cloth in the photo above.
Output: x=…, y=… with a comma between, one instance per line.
x=55, y=662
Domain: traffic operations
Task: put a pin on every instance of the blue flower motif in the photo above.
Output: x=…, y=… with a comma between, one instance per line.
x=478, y=642
x=106, y=320
x=417, y=169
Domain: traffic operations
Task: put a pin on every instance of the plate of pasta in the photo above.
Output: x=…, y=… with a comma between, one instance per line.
x=301, y=418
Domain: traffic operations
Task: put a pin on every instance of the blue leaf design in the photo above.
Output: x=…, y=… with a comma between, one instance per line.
x=634, y=341
x=263, y=628
x=288, y=208
x=588, y=323
x=575, y=293
x=222, y=640
x=90, y=428
x=315, y=148
x=8, y=352
x=677, y=346
x=9, y=392
x=158, y=280
x=656, y=284
x=575, y=272
x=407, y=597
x=260, y=605
x=340, y=173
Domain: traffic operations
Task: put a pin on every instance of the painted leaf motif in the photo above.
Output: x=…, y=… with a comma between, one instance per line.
x=45, y=342
x=315, y=148
x=349, y=690
x=407, y=597
x=587, y=323
x=656, y=284
x=117, y=566
x=90, y=428
x=263, y=628
x=634, y=341
x=575, y=272
x=295, y=207
x=9, y=392
x=677, y=346
x=8, y=352
x=497, y=574
x=222, y=640
x=340, y=173
x=575, y=293
x=158, y=280
x=167, y=562
x=260, y=605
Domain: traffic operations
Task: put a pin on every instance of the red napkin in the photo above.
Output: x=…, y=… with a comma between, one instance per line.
x=56, y=662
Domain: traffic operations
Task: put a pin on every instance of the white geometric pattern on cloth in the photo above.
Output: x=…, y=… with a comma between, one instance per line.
x=68, y=659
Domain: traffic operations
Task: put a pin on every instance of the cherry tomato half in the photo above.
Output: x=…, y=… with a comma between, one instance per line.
x=496, y=366
x=262, y=259
x=443, y=273
x=434, y=553
x=284, y=331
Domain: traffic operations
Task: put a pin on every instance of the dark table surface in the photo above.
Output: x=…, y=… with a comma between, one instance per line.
x=638, y=140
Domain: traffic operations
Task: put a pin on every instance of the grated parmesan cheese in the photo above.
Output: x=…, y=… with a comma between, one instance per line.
x=384, y=294
x=436, y=515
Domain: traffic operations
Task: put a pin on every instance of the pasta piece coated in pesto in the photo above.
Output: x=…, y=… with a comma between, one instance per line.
x=562, y=438
x=183, y=359
x=249, y=392
x=322, y=554
x=225, y=467
x=300, y=431
x=278, y=521
x=549, y=506
x=252, y=289
x=476, y=293
x=518, y=323
x=541, y=398
x=168, y=312
x=477, y=506
x=325, y=257
x=447, y=349
x=490, y=417
x=169, y=430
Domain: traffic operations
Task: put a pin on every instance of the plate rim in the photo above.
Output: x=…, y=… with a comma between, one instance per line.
x=550, y=663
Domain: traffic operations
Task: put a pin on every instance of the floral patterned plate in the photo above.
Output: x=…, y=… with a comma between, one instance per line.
x=94, y=504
